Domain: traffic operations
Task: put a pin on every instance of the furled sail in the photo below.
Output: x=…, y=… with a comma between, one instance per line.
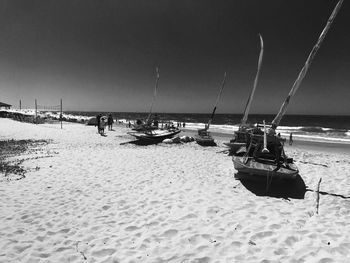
x=250, y=99
x=154, y=97
x=216, y=103
x=308, y=62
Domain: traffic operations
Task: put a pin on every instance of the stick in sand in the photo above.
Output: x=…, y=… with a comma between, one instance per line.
x=318, y=195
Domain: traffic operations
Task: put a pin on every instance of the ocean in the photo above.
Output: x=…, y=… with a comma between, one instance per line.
x=305, y=127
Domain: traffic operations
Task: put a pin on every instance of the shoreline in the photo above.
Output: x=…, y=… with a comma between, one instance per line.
x=317, y=145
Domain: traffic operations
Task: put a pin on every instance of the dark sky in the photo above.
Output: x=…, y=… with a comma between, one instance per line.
x=101, y=54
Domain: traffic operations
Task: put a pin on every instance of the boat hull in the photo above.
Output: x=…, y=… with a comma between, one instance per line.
x=248, y=168
x=205, y=141
x=154, y=135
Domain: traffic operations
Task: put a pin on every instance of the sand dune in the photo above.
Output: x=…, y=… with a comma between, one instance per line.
x=98, y=201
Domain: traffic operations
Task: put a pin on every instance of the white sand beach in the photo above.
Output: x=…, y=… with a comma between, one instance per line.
x=90, y=199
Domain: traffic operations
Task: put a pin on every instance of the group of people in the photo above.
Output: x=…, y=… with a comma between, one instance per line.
x=102, y=122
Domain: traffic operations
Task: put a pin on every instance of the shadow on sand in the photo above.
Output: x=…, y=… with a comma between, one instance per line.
x=142, y=142
x=287, y=189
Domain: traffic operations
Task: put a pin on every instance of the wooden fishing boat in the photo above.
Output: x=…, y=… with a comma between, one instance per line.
x=154, y=136
x=256, y=169
x=264, y=158
x=204, y=138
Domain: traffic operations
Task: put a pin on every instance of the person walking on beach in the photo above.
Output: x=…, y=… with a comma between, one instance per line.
x=291, y=138
x=110, y=122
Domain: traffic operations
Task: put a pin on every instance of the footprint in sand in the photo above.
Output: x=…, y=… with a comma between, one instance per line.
x=262, y=234
x=170, y=233
x=275, y=226
x=106, y=207
x=65, y=230
x=131, y=228
x=18, y=232
x=104, y=252
x=189, y=216
x=20, y=249
x=194, y=240
x=201, y=260
x=291, y=240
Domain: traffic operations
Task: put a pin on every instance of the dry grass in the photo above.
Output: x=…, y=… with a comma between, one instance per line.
x=13, y=154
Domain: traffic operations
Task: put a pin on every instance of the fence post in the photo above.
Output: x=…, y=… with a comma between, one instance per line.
x=61, y=114
x=36, y=112
x=20, y=104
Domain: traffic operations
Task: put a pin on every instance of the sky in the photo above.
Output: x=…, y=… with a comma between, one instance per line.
x=101, y=55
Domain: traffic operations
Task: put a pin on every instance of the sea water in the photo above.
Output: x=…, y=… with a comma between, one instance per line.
x=303, y=127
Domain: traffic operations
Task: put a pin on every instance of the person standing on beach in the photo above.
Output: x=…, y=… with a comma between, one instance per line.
x=110, y=122
x=102, y=125
x=291, y=138
x=98, y=121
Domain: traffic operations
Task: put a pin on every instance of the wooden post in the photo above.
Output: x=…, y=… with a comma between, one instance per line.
x=20, y=104
x=318, y=195
x=61, y=114
x=36, y=112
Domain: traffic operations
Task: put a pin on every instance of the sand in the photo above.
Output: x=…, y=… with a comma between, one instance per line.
x=95, y=200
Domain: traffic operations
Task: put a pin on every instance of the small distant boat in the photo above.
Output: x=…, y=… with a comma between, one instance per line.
x=204, y=138
x=154, y=136
x=146, y=133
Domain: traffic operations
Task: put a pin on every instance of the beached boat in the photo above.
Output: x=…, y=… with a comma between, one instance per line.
x=154, y=136
x=264, y=158
x=204, y=138
x=249, y=168
x=146, y=133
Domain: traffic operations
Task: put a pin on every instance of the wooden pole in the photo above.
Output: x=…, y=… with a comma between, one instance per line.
x=216, y=103
x=307, y=65
x=20, y=104
x=318, y=195
x=36, y=111
x=61, y=114
x=250, y=99
x=154, y=96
